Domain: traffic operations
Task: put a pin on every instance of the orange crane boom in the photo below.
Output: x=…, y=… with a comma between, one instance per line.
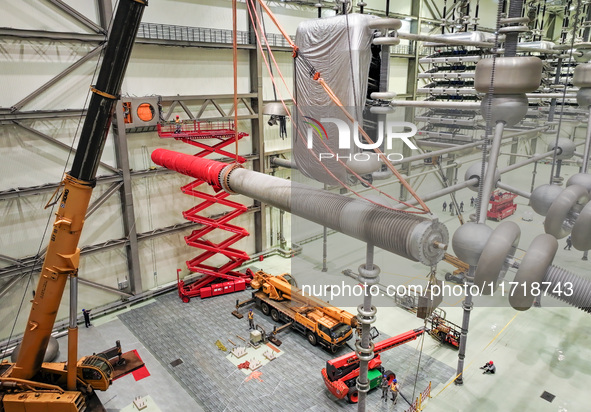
x=29, y=376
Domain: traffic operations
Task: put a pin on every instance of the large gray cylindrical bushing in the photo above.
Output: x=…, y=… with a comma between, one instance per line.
x=582, y=75
x=576, y=287
x=507, y=108
x=580, y=179
x=474, y=172
x=542, y=198
x=513, y=75
x=469, y=241
x=391, y=230
x=566, y=148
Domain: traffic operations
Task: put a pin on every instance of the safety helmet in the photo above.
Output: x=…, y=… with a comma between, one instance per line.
x=490, y=363
x=394, y=381
x=177, y=116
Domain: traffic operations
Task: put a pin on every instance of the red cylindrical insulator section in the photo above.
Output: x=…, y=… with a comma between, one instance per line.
x=197, y=167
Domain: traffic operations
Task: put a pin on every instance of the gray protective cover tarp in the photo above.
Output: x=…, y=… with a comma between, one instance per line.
x=339, y=48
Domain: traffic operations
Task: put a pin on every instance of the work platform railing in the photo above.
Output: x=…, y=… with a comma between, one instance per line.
x=157, y=31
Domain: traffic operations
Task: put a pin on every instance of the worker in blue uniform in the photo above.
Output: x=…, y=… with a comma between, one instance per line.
x=385, y=386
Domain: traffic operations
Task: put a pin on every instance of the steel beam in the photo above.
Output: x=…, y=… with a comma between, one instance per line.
x=431, y=5
x=50, y=187
x=32, y=263
x=204, y=45
x=77, y=16
x=126, y=192
x=51, y=35
x=47, y=35
x=207, y=100
x=170, y=99
x=94, y=52
x=256, y=131
x=8, y=259
x=411, y=86
x=187, y=110
x=103, y=198
x=10, y=284
x=7, y=116
x=59, y=144
x=170, y=110
x=104, y=288
x=105, y=11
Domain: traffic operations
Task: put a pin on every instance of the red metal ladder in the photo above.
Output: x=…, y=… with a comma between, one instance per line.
x=210, y=285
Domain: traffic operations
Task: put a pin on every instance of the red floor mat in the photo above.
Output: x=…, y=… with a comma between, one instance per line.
x=140, y=373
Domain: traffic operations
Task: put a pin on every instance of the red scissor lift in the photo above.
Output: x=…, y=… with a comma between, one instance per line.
x=502, y=205
x=215, y=280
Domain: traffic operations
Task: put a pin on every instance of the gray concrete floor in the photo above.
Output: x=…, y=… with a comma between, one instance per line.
x=166, y=393
x=542, y=349
x=292, y=382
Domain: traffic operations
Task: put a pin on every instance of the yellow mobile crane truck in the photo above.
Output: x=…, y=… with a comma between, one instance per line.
x=323, y=324
x=30, y=385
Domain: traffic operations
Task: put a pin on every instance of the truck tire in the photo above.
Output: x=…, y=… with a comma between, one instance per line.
x=353, y=395
x=312, y=338
x=275, y=315
x=265, y=309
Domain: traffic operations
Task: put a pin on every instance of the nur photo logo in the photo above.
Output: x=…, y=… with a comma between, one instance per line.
x=386, y=132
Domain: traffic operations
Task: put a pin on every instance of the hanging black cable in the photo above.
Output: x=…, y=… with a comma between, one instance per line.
x=453, y=17
x=541, y=35
x=467, y=15
x=476, y=15
x=268, y=51
x=444, y=17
